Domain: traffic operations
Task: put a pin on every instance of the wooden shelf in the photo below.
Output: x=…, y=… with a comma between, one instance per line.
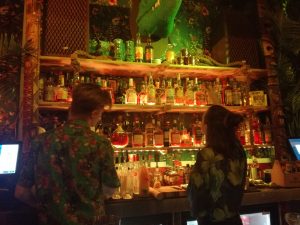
x=132, y=69
x=156, y=108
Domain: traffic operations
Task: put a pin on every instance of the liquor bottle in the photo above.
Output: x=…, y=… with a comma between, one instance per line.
x=149, y=132
x=189, y=94
x=256, y=131
x=158, y=92
x=61, y=91
x=131, y=95
x=105, y=87
x=267, y=131
x=142, y=95
x=158, y=136
x=170, y=53
x=218, y=91
x=166, y=129
x=170, y=93
x=49, y=90
x=121, y=92
x=200, y=94
x=137, y=134
x=151, y=91
x=228, y=93
x=144, y=183
x=163, y=92
x=149, y=50
x=197, y=133
x=119, y=138
x=139, y=50
x=175, y=135
x=236, y=94
x=179, y=95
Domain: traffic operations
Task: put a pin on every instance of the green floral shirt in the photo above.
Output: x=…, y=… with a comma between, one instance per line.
x=216, y=185
x=68, y=167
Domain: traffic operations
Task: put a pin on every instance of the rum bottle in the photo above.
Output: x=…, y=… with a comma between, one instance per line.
x=139, y=50
x=131, y=95
x=149, y=50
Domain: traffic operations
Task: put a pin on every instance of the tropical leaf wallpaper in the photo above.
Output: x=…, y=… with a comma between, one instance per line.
x=11, y=22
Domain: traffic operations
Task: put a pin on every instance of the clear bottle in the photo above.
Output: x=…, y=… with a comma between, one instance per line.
x=170, y=53
x=189, y=94
x=151, y=92
x=170, y=93
x=144, y=179
x=149, y=50
x=218, y=91
x=179, y=93
x=142, y=95
x=139, y=50
x=131, y=95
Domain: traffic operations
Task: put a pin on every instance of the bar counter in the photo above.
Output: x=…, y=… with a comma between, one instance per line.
x=150, y=207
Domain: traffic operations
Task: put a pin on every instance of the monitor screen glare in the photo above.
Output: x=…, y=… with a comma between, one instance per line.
x=295, y=145
x=8, y=158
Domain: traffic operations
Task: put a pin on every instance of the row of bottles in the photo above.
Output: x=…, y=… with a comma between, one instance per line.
x=150, y=91
x=175, y=130
x=137, y=174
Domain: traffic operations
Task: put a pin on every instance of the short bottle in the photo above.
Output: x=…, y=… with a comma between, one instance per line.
x=131, y=95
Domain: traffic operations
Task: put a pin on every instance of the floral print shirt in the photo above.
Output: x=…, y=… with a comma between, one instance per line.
x=216, y=185
x=68, y=166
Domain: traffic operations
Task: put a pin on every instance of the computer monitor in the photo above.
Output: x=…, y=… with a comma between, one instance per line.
x=10, y=155
x=295, y=146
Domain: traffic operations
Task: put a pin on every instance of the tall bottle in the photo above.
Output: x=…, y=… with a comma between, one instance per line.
x=137, y=134
x=158, y=136
x=197, y=133
x=166, y=130
x=149, y=132
x=170, y=93
x=139, y=50
x=144, y=183
x=179, y=93
x=142, y=95
x=228, y=93
x=151, y=92
x=200, y=94
x=189, y=94
x=175, y=135
x=131, y=95
x=170, y=53
x=149, y=50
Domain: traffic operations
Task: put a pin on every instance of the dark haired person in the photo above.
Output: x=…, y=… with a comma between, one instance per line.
x=217, y=179
x=71, y=168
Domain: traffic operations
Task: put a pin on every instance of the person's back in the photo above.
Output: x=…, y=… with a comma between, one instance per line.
x=217, y=179
x=70, y=166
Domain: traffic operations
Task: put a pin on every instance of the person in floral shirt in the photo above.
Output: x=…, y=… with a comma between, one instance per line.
x=217, y=180
x=71, y=169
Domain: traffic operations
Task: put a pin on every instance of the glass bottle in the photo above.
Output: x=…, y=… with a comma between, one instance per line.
x=151, y=91
x=137, y=134
x=158, y=136
x=170, y=93
x=200, y=94
x=149, y=132
x=189, y=94
x=218, y=91
x=105, y=87
x=197, y=133
x=119, y=138
x=131, y=95
x=170, y=53
x=175, y=135
x=149, y=50
x=179, y=95
x=144, y=183
x=138, y=50
x=228, y=93
x=142, y=95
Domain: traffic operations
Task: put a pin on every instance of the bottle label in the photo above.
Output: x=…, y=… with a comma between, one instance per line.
x=138, y=140
x=158, y=140
x=151, y=96
x=175, y=139
x=139, y=51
